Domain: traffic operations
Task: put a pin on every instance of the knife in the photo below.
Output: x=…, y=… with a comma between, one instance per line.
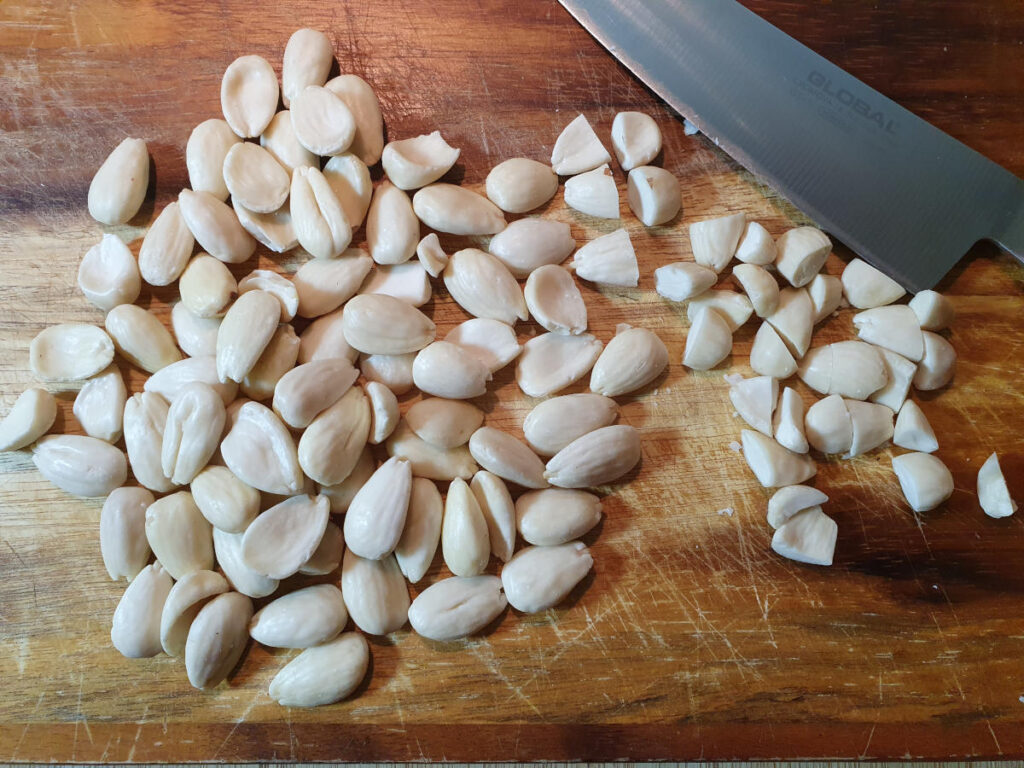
x=904, y=196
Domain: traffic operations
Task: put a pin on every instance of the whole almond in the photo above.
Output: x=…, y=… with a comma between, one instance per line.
x=447, y=370
x=228, y=549
x=597, y=458
x=248, y=95
x=260, y=451
x=301, y=619
x=108, y=274
x=376, y=516
x=457, y=210
x=444, y=423
x=195, y=423
x=179, y=535
x=323, y=285
x=322, y=121
x=375, y=593
x=484, y=287
x=464, y=538
x=197, y=336
x=492, y=342
x=500, y=453
x=499, y=512
x=392, y=229
x=422, y=532
x=551, y=362
x=325, y=337
x=457, y=607
x=279, y=541
x=217, y=639
x=135, y=629
x=82, y=466
x=145, y=418
x=186, y=599
x=393, y=371
x=207, y=146
x=555, y=516
x=168, y=382
x=383, y=325
x=123, y=543
x=429, y=460
x=333, y=441
x=350, y=179
x=307, y=61
x=519, y=184
x=318, y=218
x=556, y=422
x=323, y=674
x=215, y=227
x=361, y=101
x=538, y=578
x=31, y=416
x=255, y=179
x=207, y=287
x=554, y=300
x=276, y=359
x=245, y=333
x=224, y=500
x=309, y=389
x=70, y=352
x=630, y=361
x=119, y=186
x=527, y=244
x=141, y=338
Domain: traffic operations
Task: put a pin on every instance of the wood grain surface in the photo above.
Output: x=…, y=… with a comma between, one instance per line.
x=690, y=639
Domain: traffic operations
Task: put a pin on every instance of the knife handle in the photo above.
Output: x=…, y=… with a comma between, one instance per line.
x=1012, y=236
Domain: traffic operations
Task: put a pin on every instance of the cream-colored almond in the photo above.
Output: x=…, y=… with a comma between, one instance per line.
x=168, y=382
x=276, y=359
x=422, y=532
x=444, y=423
x=215, y=227
x=416, y=162
x=630, y=361
x=551, y=362
x=384, y=414
x=734, y=307
x=801, y=254
x=322, y=121
x=307, y=60
x=31, y=416
x=788, y=423
x=754, y=400
x=197, y=336
x=334, y=440
x=276, y=285
x=309, y=389
x=852, y=369
x=714, y=241
x=301, y=619
x=362, y=102
x=207, y=287
x=228, y=549
x=431, y=255
x=350, y=180
x=166, y=248
x=207, y=146
x=577, y=149
x=141, y=338
x=254, y=178
x=894, y=327
x=828, y=427
x=866, y=287
x=499, y=513
x=280, y=540
x=790, y=500
x=913, y=431
x=608, y=260
x=760, y=287
x=317, y=215
x=993, y=495
x=324, y=338
x=446, y=370
x=376, y=517
x=925, y=481
x=224, y=500
x=393, y=371
x=375, y=593
x=377, y=324
x=506, y=457
x=636, y=139
x=756, y=246
x=457, y=607
x=260, y=451
x=527, y=244
x=653, y=195
x=597, y=458
x=826, y=294
x=683, y=280
x=554, y=301
x=773, y=465
x=274, y=230
x=279, y=139
x=769, y=355
x=555, y=423
x=899, y=373
x=593, y=193
x=108, y=274
x=323, y=674
x=245, y=333
x=872, y=426
x=809, y=537
x=119, y=186
x=519, y=185
x=135, y=629
x=794, y=320
x=70, y=352
x=179, y=535
x=938, y=363
x=408, y=282
x=324, y=285
x=427, y=459
x=145, y=418
x=248, y=95
x=341, y=494
x=538, y=578
x=392, y=229
x=934, y=311
x=464, y=537
x=217, y=639
x=326, y=558
x=457, y=210
x=192, y=433
x=491, y=341
x=556, y=516
x=183, y=604
x=709, y=340
x=123, y=543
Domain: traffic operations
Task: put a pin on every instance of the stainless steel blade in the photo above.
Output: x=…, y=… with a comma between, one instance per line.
x=902, y=194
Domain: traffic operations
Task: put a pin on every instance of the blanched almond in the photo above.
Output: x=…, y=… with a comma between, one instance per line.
x=196, y=336
x=217, y=638
x=135, y=629
x=754, y=399
x=274, y=230
x=384, y=414
x=447, y=370
x=416, y=162
x=938, y=363
x=407, y=282
x=554, y=300
x=630, y=361
x=166, y=248
x=801, y=254
x=894, y=327
x=192, y=433
x=361, y=101
x=484, y=287
x=393, y=371
x=714, y=241
x=993, y=495
x=383, y=325
x=341, y=494
x=247, y=329
x=925, y=481
x=538, y=578
x=392, y=229
x=683, y=280
x=309, y=389
x=376, y=517
x=734, y=307
x=808, y=537
x=866, y=287
x=108, y=274
x=593, y=193
x=464, y=538
x=756, y=246
x=323, y=285
x=207, y=146
x=506, y=457
x=578, y=149
x=709, y=340
x=183, y=604
x=141, y=338
x=828, y=426
x=322, y=121
x=653, y=195
x=852, y=369
x=499, y=513
x=899, y=372
x=301, y=619
x=556, y=515
x=375, y=593
x=773, y=465
x=826, y=294
x=248, y=95
x=319, y=220
x=428, y=460
x=145, y=418
x=760, y=287
x=168, y=382
x=418, y=544
x=872, y=426
x=254, y=178
x=325, y=337
x=597, y=458
x=551, y=362
x=119, y=186
x=280, y=540
x=794, y=320
x=326, y=558
x=769, y=355
x=224, y=500
x=31, y=416
x=215, y=227
x=491, y=341
x=934, y=311
x=307, y=60
x=457, y=210
x=527, y=244
x=228, y=549
x=608, y=260
x=179, y=535
x=444, y=423
x=323, y=674
x=913, y=431
x=431, y=255
x=555, y=423
x=279, y=139
x=70, y=352
x=350, y=179
x=207, y=287
x=123, y=543
x=636, y=139
x=791, y=499
x=260, y=451
x=334, y=440
x=519, y=185
x=788, y=423
x=457, y=607
x=276, y=359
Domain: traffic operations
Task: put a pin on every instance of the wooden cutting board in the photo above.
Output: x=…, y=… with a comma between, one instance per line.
x=691, y=639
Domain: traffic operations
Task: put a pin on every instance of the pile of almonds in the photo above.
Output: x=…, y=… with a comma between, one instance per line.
x=247, y=437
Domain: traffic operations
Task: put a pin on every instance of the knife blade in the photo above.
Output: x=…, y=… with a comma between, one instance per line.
x=904, y=196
